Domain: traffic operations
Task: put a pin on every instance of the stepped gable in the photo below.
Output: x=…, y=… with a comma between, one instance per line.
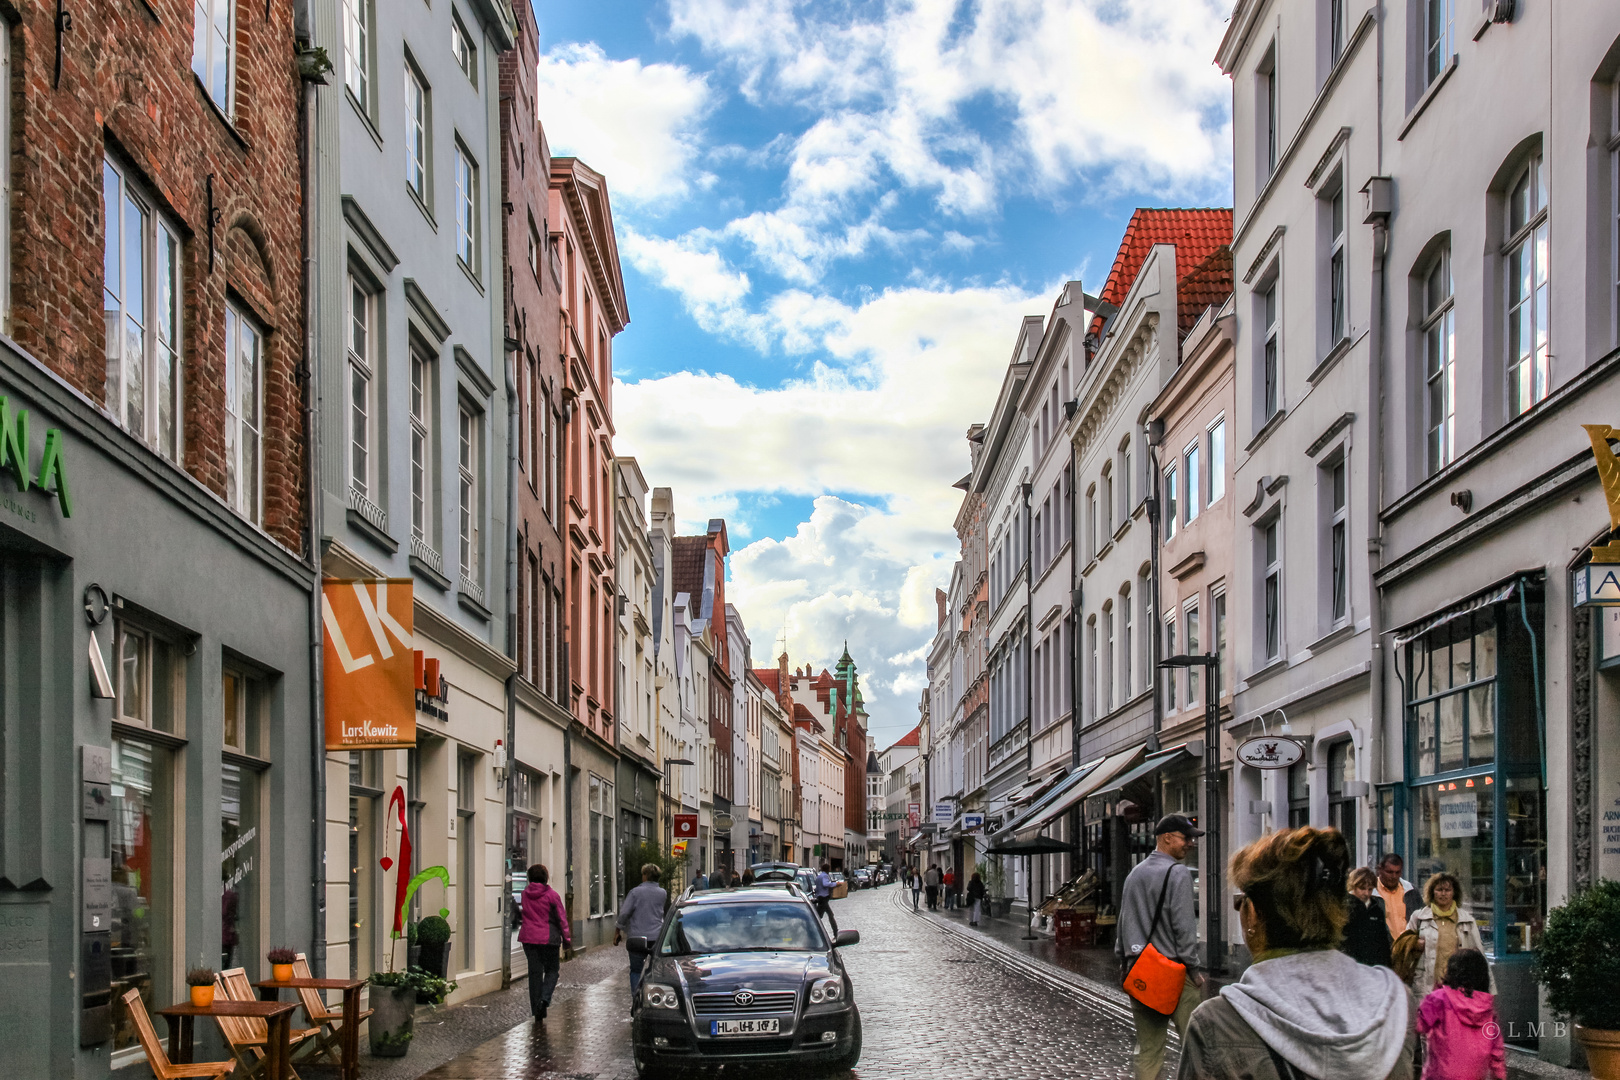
x=1196, y=234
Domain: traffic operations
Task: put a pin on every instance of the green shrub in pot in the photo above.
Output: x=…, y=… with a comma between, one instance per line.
x=1578, y=961
x=433, y=945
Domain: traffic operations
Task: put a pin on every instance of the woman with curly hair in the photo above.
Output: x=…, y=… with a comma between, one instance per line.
x=1445, y=926
x=1303, y=1008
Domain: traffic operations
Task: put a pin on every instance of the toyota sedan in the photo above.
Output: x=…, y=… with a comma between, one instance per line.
x=745, y=974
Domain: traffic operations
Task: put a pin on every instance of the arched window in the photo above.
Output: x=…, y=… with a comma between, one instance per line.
x=1525, y=269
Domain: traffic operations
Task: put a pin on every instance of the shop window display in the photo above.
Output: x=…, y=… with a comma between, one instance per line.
x=141, y=839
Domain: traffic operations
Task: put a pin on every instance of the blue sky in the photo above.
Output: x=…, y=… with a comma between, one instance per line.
x=831, y=217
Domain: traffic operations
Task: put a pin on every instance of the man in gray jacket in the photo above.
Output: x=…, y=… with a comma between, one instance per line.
x=1175, y=935
x=641, y=916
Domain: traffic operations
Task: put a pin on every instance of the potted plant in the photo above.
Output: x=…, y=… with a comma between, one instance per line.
x=281, y=963
x=201, y=981
x=995, y=886
x=433, y=945
x=1579, y=964
x=394, y=996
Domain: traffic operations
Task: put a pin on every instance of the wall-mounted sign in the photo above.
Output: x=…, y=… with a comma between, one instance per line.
x=1597, y=585
x=914, y=814
x=686, y=826
x=972, y=821
x=370, y=667
x=1459, y=815
x=1269, y=752
x=1608, y=468
x=51, y=475
x=944, y=812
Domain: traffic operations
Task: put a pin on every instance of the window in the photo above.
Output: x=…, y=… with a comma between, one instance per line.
x=357, y=51
x=461, y=45
x=1341, y=770
x=140, y=839
x=1338, y=542
x=148, y=683
x=1299, y=795
x=1108, y=659
x=421, y=446
x=417, y=120
x=603, y=859
x=1190, y=621
x=1269, y=375
x=1338, y=319
x=466, y=210
x=1125, y=672
x=244, y=705
x=1271, y=554
x=1440, y=362
x=244, y=424
x=1170, y=674
x=1091, y=667
x=1170, y=492
x=1106, y=502
x=1217, y=461
x=362, y=410
x=1217, y=601
x=1194, y=485
x=534, y=251
x=1125, y=506
x=141, y=307
x=1145, y=598
x=468, y=841
x=213, y=34
x=469, y=466
x=1336, y=29
x=1266, y=106
x=1439, y=37
x=1529, y=362
x=1092, y=541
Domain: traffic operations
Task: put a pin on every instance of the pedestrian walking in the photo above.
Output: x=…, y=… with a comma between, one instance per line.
x=1400, y=899
x=748, y=876
x=700, y=881
x=1445, y=926
x=543, y=934
x=1366, y=935
x=736, y=880
x=1303, y=1008
x=950, y=890
x=1156, y=908
x=641, y=916
x=931, y=881
x=975, y=898
x=824, y=888
x=1459, y=1022
x=916, y=888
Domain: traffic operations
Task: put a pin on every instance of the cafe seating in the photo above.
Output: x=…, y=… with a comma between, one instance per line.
x=162, y=1068
x=327, y=1020
x=249, y=1035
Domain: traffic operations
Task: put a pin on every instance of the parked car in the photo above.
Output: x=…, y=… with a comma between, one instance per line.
x=775, y=871
x=745, y=975
x=861, y=878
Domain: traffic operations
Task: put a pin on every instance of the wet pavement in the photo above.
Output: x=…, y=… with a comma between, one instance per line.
x=934, y=1002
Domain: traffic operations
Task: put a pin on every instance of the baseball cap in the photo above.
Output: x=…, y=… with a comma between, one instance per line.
x=1178, y=823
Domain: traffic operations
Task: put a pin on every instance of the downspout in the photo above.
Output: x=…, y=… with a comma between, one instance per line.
x=1076, y=595
x=1375, y=487
x=312, y=443
x=512, y=351
x=1029, y=668
x=1155, y=433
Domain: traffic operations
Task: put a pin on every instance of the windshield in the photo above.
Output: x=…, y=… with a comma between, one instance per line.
x=743, y=927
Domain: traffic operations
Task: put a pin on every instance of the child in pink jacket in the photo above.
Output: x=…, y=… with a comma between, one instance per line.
x=1459, y=1021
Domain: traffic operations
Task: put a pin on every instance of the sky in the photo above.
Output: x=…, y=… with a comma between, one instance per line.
x=832, y=217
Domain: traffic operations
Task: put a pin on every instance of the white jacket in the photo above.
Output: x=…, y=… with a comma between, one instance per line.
x=1423, y=922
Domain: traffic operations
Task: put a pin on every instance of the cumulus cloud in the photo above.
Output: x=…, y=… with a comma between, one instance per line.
x=638, y=124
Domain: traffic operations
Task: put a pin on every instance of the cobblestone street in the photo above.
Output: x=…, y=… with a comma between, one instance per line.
x=935, y=1002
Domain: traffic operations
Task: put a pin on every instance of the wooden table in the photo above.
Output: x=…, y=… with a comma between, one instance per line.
x=277, y=1016
x=351, y=1011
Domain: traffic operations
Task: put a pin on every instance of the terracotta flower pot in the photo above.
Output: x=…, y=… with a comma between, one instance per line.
x=1602, y=1051
x=281, y=972
x=202, y=996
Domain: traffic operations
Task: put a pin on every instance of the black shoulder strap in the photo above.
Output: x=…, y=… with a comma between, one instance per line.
x=1158, y=908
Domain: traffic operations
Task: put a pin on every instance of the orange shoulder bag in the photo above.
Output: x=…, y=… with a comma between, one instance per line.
x=1154, y=979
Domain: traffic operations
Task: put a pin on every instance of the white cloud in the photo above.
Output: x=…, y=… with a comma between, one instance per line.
x=637, y=124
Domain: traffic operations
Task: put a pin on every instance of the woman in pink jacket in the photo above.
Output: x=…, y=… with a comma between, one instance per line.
x=543, y=933
x=1459, y=1021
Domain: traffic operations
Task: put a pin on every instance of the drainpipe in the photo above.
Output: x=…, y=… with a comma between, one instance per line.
x=1378, y=195
x=1076, y=595
x=312, y=444
x=512, y=352
x=1155, y=432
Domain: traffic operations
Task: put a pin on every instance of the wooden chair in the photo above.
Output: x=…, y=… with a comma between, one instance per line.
x=156, y=1058
x=249, y=1035
x=327, y=1020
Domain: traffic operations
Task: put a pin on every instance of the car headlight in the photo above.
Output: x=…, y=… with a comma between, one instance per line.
x=659, y=996
x=826, y=990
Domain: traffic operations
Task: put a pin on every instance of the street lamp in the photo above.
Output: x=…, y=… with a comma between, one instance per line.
x=1211, y=663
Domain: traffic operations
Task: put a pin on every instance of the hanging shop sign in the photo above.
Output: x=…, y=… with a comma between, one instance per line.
x=944, y=812
x=972, y=821
x=1597, y=584
x=370, y=668
x=51, y=474
x=686, y=826
x=914, y=814
x=1269, y=752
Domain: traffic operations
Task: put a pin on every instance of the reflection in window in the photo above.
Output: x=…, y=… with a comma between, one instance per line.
x=1529, y=358
x=239, y=866
x=141, y=846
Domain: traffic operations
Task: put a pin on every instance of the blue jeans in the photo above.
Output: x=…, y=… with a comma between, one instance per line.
x=544, y=961
x=637, y=962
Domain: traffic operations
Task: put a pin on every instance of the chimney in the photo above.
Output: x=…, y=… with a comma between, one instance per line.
x=941, y=599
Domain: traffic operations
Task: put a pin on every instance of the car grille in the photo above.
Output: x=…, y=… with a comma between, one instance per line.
x=765, y=1001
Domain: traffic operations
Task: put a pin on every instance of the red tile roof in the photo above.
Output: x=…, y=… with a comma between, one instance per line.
x=910, y=738
x=1195, y=233
x=687, y=569
x=770, y=677
x=1206, y=285
x=802, y=713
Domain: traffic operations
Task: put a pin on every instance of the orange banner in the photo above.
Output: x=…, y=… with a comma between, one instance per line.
x=370, y=670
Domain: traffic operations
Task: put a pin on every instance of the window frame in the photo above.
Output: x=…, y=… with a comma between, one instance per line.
x=418, y=136
x=1271, y=592
x=363, y=365
x=148, y=643
x=1172, y=491
x=1439, y=40
x=238, y=318
x=1337, y=272
x=1216, y=486
x=469, y=499
x=1336, y=525
x=463, y=48
x=1271, y=348
x=468, y=224
x=1533, y=238
x=1190, y=631
x=1338, y=31
x=1126, y=603
x=202, y=51
x=422, y=414
x=1191, y=460
x=1268, y=114
x=161, y=248
x=357, y=44
x=1170, y=680
x=1438, y=339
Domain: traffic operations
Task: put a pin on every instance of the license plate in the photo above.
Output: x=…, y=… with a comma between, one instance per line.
x=745, y=1027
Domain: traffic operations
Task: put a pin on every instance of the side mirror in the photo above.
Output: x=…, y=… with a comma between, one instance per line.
x=847, y=937
x=642, y=945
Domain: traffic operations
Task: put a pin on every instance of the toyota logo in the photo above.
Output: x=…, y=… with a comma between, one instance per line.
x=743, y=998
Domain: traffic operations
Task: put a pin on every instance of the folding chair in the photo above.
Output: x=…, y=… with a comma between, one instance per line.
x=248, y=1036
x=327, y=1020
x=156, y=1058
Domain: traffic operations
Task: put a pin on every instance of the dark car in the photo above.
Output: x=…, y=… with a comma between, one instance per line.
x=745, y=974
x=861, y=877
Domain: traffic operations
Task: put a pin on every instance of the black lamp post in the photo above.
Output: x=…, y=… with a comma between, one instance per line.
x=1214, y=934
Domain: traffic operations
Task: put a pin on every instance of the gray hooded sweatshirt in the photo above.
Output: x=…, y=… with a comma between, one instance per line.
x=1320, y=1011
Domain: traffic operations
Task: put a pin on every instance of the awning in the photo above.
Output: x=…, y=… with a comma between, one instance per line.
x=1017, y=820
x=1150, y=765
x=1071, y=796
x=1033, y=789
x=1034, y=845
x=1494, y=595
